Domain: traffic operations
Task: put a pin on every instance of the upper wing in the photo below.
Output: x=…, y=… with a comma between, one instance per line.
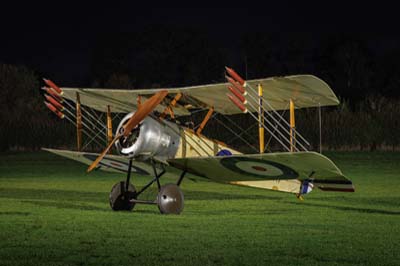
x=240, y=169
x=304, y=90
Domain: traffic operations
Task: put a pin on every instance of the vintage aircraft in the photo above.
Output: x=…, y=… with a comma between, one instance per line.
x=150, y=139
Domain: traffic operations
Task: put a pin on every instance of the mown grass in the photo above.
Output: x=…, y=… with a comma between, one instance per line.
x=52, y=213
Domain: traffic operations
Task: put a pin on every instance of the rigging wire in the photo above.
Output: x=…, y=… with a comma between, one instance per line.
x=275, y=112
x=281, y=117
x=237, y=135
x=84, y=132
x=86, y=118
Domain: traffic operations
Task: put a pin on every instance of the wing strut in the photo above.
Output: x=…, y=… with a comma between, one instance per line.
x=109, y=125
x=78, y=122
x=205, y=120
x=169, y=107
x=260, y=118
x=292, y=127
x=320, y=128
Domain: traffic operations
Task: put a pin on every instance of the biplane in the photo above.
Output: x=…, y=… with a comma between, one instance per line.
x=150, y=139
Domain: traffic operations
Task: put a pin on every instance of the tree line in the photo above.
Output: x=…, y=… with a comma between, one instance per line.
x=365, y=78
x=26, y=124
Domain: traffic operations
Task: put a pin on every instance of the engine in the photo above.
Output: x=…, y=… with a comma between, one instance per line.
x=149, y=139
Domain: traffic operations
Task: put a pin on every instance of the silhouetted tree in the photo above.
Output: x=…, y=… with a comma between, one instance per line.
x=19, y=104
x=346, y=65
x=156, y=56
x=119, y=81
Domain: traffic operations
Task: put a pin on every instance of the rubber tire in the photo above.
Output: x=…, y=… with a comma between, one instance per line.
x=170, y=199
x=119, y=200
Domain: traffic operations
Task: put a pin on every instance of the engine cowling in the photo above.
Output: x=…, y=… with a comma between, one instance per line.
x=149, y=139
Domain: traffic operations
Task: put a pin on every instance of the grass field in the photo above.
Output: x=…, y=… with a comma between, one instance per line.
x=52, y=213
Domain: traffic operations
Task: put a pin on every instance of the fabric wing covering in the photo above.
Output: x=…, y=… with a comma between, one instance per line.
x=304, y=90
x=258, y=170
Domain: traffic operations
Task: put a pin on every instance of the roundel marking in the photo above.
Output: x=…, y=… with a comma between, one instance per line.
x=259, y=168
x=118, y=165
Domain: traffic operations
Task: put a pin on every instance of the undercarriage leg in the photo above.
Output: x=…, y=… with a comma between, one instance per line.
x=128, y=175
x=157, y=176
x=181, y=178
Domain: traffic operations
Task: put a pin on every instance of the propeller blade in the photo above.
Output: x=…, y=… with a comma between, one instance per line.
x=101, y=156
x=145, y=109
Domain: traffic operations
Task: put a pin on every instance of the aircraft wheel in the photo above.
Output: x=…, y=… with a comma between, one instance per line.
x=170, y=199
x=119, y=198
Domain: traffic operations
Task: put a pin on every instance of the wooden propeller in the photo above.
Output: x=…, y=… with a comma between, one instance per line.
x=146, y=108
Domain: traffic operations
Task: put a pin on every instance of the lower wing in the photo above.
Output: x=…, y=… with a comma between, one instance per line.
x=289, y=172
x=111, y=163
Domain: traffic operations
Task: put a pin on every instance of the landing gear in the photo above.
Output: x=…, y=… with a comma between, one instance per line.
x=123, y=194
x=120, y=197
x=170, y=199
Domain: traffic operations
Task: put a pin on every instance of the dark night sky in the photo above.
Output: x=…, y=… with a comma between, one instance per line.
x=57, y=39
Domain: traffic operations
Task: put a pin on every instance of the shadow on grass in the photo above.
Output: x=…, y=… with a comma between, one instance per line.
x=98, y=197
x=53, y=194
x=16, y=213
x=153, y=211
x=387, y=201
x=347, y=208
x=79, y=200
x=64, y=205
x=204, y=195
x=72, y=206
